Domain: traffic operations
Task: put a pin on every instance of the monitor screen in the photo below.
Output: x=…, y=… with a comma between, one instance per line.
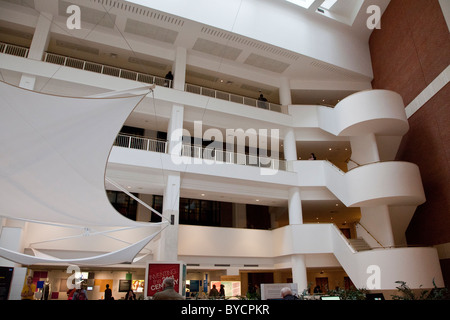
x=330, y=298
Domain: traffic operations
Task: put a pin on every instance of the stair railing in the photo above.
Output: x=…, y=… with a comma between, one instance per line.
x=368, y=232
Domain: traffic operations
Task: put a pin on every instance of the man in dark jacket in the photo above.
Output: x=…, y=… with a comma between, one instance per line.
x=286, y=294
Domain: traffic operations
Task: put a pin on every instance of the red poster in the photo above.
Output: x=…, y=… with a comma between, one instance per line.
x=157, y=272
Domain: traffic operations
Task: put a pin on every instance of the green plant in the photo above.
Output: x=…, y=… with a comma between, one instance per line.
x=433, y=294
x=350, y=294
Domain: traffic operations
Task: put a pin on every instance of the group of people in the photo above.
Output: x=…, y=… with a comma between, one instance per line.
x=214, y=293
x=77, y=294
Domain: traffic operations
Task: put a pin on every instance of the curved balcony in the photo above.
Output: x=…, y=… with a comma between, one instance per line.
x=373, y=111
x=380, y=183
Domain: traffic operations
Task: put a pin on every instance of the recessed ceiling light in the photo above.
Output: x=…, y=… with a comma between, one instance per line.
x=257, y=200
x=203, y=194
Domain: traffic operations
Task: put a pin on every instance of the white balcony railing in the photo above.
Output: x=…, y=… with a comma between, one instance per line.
x=232, y=157
x=154, y=145
x=14, y=50
x=104, y=69
x=147, y=78
x=141, y=143
x=141, y=77
x=234, y=98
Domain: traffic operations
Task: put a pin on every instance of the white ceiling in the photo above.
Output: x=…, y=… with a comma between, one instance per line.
x=216, y=58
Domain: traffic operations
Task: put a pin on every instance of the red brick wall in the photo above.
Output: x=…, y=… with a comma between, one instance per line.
x=409, y=51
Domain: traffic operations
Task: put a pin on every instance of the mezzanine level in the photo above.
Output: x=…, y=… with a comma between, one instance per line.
x=199, y=152
x=141, y=77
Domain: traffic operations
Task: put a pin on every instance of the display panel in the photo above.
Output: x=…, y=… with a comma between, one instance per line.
x=6, y=274
x=137, y=285
x=124, y=285
x=157, y=272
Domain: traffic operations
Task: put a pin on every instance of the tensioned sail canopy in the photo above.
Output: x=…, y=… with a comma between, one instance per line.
x=122, y=255
x=53, y=156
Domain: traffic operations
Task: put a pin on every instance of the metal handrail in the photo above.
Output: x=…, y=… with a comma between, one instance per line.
x=217, y=94
x=359, y=223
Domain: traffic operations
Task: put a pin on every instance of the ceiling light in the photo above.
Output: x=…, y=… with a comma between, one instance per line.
x=203, y=194
x=257, y=200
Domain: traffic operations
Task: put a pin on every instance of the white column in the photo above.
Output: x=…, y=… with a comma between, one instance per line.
x=39, y=45
x=41, y=37
x=175, y=130
x=239, y=215
x=179, y=69
x=290, y=145
x=285, y=92
x=295, y=206
x=299, y=272
x=168, y=249
x=10, y=238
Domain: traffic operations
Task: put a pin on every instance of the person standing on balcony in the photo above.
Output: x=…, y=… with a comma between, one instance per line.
x=262, y=102
x=169, y=79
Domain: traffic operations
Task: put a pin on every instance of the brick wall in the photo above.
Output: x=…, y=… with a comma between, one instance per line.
x=409, y=51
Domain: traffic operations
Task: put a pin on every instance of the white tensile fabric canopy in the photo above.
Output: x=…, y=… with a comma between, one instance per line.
x=53, y=156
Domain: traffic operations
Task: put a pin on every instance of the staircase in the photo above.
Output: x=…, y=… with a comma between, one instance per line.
x=359, y=244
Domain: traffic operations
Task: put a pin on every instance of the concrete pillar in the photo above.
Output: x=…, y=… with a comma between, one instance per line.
x=39, y=45
x=168, y=249
x=239, y=215
x=179, y=69
x=41, y=37
x=299, y=275
x=285, y=92
x=290, y=145
x=175, y=130
x=295, y=206
x=11, y=239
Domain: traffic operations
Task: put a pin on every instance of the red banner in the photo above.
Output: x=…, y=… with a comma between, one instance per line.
x=157, y=272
